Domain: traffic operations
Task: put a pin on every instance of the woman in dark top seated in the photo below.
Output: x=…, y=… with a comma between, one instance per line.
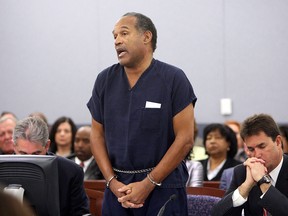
x=221, y=146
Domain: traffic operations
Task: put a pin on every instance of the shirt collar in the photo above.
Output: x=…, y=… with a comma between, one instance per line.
x=86, y=163
x=275, y=172
x=212, y=173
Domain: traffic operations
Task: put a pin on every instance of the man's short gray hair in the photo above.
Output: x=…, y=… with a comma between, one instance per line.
x=5, y=118
x=32, y=129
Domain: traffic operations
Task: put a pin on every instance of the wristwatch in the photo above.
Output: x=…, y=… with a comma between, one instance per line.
x=265, y=179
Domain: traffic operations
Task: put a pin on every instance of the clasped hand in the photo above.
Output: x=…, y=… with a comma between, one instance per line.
x=134, y=194
x=255, y=169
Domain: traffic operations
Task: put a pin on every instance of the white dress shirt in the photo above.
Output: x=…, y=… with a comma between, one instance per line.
x=86, y=163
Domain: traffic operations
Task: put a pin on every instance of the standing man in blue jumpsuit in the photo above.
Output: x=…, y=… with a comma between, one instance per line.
x=142, y=125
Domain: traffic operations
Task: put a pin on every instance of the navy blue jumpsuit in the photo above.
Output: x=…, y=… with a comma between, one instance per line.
x=138, y=135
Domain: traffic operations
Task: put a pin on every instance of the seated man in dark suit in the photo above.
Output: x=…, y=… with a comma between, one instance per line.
x=259, y=186
x=83, y=155
x=31, y=136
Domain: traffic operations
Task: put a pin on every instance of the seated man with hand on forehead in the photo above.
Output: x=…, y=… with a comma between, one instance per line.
x=31, y=137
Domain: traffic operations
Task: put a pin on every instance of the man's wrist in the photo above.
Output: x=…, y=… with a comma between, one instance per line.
x=108, y=182
x=237, y=198
x=245, y=188
x=151, y=179
x=264, y=180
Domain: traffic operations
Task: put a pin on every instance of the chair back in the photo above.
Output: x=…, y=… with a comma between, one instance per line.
x=99, y=185
x=96, y=199
x=214, y=184
x=201, y=205
x=95, y=192
x=205, y=191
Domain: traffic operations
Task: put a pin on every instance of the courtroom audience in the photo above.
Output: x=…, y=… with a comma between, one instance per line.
x=62, y=136
x=40, y=115
x=7, y=125
x=221, y=146
x=8, y=114
x=226, y=178
x=284, y=136
x=31, y=137
x=236, y=126
x=195, y=171
x=198, y=152
x=83, y=155
x=194, y=168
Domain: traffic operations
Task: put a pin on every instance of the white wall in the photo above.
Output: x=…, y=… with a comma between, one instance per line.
x=52, y=50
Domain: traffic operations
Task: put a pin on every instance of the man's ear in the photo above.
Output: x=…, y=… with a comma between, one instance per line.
x=147, y=37
x=279, y=141
x=47, y=146
x=246, y=149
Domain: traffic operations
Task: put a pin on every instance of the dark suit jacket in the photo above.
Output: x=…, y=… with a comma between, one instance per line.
x=230, y=162
x=72, y=196
x=92, y=172
x=274, y=201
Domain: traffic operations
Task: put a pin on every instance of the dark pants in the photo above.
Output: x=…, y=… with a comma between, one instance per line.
x=152, y=205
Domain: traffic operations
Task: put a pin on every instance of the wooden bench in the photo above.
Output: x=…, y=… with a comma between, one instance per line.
x=214, y=184
x=205, y=191
x=99, y=185
x=95, y=192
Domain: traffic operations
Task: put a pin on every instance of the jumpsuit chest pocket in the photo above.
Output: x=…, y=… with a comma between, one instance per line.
x=150, y=118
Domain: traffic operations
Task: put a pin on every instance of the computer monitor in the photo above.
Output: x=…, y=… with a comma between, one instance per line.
x=38, y=175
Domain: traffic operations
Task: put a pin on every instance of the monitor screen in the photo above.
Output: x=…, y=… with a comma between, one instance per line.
x=38, y=176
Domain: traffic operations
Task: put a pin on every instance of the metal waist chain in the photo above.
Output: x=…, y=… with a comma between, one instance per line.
x=133, y=171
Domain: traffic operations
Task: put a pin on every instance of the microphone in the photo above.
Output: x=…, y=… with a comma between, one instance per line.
x=161, y=211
